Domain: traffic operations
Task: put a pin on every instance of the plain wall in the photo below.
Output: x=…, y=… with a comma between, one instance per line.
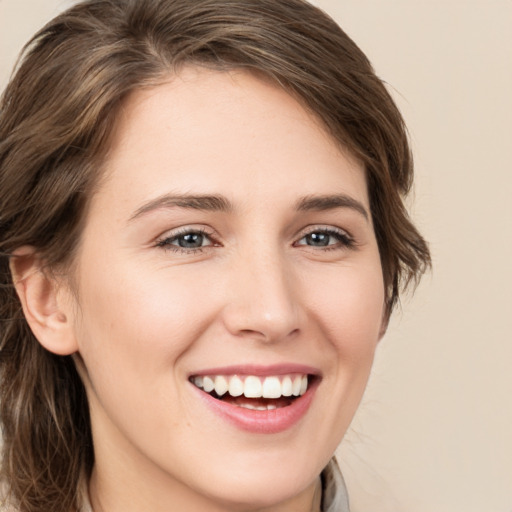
x=434, y=431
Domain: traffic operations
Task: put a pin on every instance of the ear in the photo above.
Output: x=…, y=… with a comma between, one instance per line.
x=46, y=302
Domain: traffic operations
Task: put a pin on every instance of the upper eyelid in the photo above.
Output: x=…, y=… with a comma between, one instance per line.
x=183, y=230
x=325, y=228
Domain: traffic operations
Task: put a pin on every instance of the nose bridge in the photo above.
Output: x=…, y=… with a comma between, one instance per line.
x=263, y=303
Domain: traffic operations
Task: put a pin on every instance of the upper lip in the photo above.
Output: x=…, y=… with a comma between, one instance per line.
x=259, y=370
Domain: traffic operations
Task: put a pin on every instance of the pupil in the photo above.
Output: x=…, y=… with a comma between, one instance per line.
x=318, y=239
x=191, y=240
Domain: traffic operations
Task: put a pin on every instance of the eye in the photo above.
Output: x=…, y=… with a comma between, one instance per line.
x=326, y=238
x=186, y=240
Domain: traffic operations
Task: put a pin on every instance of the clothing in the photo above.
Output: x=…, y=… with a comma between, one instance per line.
x=334, y=491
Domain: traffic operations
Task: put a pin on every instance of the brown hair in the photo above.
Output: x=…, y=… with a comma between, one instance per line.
x=56, y=116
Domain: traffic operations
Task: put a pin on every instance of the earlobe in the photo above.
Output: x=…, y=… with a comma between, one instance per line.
x=44, y=302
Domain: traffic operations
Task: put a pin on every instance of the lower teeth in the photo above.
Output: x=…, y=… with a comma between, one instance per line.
x=255, y=404
x=269, y=407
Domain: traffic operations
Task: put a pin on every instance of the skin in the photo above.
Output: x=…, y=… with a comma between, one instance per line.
x=144, y=314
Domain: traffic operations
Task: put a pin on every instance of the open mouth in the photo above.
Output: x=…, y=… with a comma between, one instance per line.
x=254, y=392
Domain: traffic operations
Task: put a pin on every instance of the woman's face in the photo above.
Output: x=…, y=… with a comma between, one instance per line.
x=230, y=241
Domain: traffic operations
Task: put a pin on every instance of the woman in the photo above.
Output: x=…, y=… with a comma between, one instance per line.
x=203, y=237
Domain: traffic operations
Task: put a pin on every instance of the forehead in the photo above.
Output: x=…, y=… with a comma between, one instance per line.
x=205, y=130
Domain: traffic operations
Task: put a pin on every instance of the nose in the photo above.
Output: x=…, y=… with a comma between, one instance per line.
x=263, y=303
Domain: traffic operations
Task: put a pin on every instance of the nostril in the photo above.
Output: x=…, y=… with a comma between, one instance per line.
x=266, y=336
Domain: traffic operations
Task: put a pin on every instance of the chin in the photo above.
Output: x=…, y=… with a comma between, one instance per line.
x=263, y=481
x=259, y=492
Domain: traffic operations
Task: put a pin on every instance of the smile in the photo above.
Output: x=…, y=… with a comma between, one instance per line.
x=262, y=400
x=274, y=391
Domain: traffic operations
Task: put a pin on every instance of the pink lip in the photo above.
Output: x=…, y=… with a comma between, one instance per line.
x=259, y=370
x=261, y=422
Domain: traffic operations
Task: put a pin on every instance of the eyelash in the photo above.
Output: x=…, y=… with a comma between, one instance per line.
x=166, y=243
x=344, y=240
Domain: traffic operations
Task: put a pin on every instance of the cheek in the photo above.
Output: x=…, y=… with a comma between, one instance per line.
x=351, y=309
x=135, y=327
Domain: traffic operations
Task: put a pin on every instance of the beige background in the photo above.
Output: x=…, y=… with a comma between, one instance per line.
x=434, y=432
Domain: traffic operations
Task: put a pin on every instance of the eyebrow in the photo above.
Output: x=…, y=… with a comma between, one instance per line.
x=330, y=202
x=219, y=203
x=202, y=202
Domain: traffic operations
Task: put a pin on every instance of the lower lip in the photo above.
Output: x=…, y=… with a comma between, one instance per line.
x=261, y=422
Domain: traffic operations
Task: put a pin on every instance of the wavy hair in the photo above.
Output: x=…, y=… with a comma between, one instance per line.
x=56, y=118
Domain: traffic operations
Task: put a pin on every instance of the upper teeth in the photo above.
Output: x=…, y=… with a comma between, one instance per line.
x=253, y=387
